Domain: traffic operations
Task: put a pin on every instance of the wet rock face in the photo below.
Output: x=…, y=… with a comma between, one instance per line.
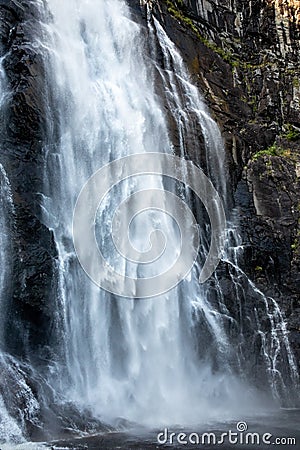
x=262, y=24
x=30, y=315
x=244, y=56
x=41, y=412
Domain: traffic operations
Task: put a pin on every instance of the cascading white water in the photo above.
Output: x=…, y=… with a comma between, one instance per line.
x=9, y=428
x=5, y=210
x=141, y=360
x=189, y=110
x=275, y=348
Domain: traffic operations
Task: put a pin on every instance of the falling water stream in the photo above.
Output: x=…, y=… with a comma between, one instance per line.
x=141, y=360
x=125, y=358
x=168, y=359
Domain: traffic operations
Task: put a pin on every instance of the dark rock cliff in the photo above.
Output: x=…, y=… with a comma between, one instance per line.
x=30, y=322
x=244, y=56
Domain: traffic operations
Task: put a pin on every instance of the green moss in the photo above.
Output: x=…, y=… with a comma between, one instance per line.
x=296, y=244
x=177, y=10
x=292, y=133
x=273, y=150
x=253, y=102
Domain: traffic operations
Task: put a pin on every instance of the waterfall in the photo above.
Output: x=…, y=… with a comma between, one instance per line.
x=118, y=89
x=168, y=359
x=6, y=208
x=162, y=360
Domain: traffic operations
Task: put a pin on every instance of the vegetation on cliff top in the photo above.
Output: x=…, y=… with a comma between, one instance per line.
x=273, y=150
x=281, y=147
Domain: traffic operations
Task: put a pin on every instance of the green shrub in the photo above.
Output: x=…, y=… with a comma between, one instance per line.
x=273, y=150
x=292, y=133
